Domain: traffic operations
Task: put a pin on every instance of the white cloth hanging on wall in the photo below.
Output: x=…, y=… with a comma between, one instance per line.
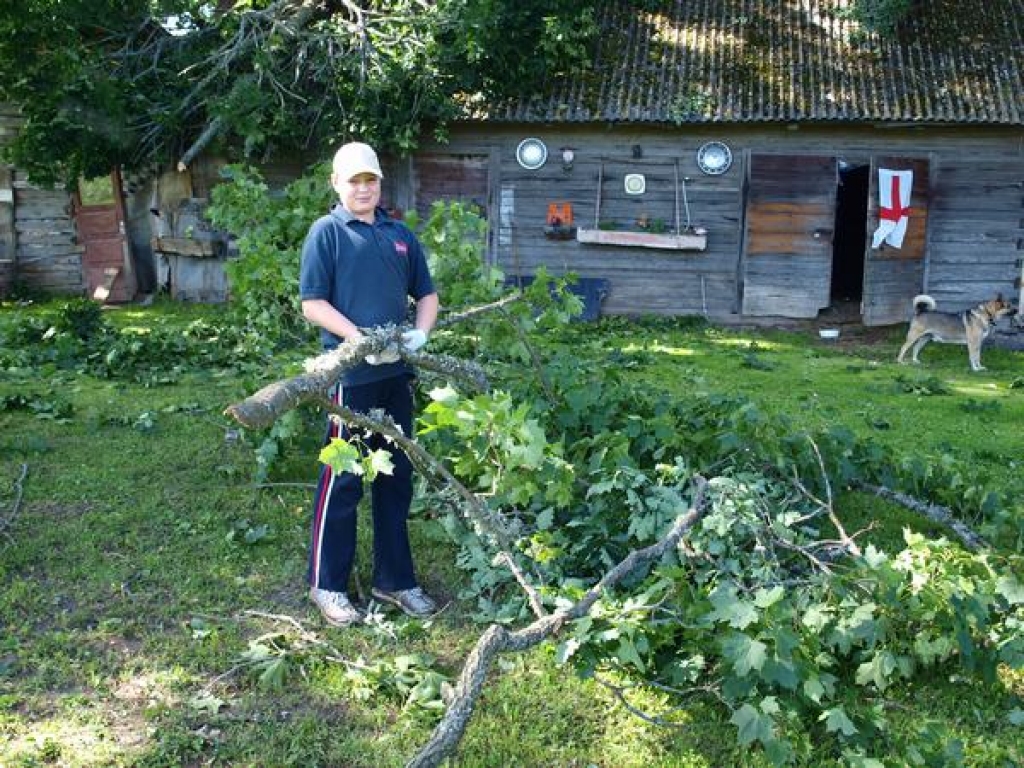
x=894, y=189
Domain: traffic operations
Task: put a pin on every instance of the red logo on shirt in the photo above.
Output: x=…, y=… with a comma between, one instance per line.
x=401, y=248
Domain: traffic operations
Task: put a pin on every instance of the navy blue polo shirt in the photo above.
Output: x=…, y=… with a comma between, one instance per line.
x=367, y=272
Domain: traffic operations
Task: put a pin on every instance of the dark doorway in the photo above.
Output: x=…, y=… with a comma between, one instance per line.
x=850, y=237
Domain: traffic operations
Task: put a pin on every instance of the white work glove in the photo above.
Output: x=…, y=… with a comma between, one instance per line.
x=414, y=340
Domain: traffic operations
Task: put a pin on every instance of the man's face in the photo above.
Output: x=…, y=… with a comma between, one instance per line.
x=359, y=195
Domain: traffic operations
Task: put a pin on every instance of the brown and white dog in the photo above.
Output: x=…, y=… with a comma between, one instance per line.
x=969, y=327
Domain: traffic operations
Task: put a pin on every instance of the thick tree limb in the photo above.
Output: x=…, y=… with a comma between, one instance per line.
x=263, y=408
x=496, y=639
x=212, y=129
x=934, y=512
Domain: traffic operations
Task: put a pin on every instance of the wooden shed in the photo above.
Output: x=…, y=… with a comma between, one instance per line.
x=723, y=158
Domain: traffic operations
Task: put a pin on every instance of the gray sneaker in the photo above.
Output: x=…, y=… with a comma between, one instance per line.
x=336, y=608
x=415, y=602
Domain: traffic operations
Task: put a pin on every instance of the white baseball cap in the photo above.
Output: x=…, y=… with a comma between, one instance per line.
x=355, y=158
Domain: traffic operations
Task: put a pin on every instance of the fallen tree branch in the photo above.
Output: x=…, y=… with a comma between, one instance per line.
x=934, y=512
x=619, y=692
x=538, y=365
x=19, y=494
x=486, y=521
x=458, y=317
x=263, y=408
x=848, y=543
x=497, y=639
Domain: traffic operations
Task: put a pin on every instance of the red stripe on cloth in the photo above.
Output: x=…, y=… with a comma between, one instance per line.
x=897, y=211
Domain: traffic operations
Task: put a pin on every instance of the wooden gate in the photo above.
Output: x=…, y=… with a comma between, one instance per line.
x=787, y=267
x=893, y=276
x=106, y=258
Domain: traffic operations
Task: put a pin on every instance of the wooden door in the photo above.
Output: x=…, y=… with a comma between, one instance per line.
x=106, y=258
x=893, y=276
x=787, y=265
x=450, y=177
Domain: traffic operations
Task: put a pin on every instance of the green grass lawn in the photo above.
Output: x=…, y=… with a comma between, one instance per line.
x=143, y=564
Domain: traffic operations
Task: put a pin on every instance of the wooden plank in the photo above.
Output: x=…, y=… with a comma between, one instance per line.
x=450, y=177
x=187, y=246
x=964, y=259
x=1006, y=272
x=35, y=211
x=687, y=242
x=945, y=230
x=795, y=244
x=62, y=224
x=961, y=295
x=44, y=238
x=54, y=262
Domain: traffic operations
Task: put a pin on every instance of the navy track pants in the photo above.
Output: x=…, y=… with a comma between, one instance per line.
x=333, y=548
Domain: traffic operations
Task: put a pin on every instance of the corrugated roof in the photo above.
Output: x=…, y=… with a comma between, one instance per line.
x=727, y=61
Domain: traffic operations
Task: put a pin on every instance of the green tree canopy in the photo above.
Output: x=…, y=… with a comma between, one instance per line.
x=105, y=83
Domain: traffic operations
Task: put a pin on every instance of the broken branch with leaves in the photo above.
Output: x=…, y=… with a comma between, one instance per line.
x=497, y=639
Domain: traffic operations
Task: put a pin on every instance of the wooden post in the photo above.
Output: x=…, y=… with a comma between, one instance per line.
x=8, y=245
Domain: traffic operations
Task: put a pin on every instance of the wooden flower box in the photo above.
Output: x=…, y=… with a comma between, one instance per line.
x=689, y=241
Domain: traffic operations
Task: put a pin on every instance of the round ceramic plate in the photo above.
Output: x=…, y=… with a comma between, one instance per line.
x=531, y=154
x=714, y=158
x=635, y=183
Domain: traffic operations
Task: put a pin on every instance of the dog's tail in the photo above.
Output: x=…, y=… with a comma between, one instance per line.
x=923, y=303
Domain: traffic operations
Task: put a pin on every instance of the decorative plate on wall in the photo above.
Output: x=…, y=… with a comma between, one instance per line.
x=531, y=154
x=635, y=183
x=714, y=158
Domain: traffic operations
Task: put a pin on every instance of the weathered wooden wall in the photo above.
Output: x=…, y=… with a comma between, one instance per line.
x=37, y=232
x=975, y=213
x=976, y=228
x=48, y=258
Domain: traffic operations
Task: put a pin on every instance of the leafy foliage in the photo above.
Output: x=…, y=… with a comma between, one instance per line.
x=452, y=235
x=764, y=601
x=266, y=76
x=881, y=16
x=768, y=612
x=77, y=337
x=269, y=230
